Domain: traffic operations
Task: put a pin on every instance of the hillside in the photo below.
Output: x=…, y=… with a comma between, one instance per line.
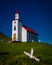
x=13, y=53
x=4, y=37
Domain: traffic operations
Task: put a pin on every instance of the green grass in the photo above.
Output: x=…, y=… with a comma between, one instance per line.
x=13, y=53
x=4, y=37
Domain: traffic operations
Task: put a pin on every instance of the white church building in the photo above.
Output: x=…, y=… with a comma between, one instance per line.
x=22, y=33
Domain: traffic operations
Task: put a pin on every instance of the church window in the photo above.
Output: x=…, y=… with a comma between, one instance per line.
x=29, y=36
x=14, y=28
x=14, y=22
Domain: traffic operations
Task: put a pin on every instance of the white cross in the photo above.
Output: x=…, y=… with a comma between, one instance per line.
x=31, y=55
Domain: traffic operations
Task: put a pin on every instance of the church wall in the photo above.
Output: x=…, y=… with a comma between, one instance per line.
x=19, y=31
x=31, y=37
x=15, y=23
x=24, y=35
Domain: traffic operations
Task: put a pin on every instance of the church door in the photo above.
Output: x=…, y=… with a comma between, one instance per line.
x=14, y=37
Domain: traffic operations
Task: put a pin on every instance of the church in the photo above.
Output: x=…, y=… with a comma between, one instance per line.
x=22, y=33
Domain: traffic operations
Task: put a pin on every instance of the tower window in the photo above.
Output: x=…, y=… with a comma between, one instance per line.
x=14, y=22
x=14, y=28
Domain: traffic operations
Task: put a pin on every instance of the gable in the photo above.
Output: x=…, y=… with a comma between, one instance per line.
x=30, y=30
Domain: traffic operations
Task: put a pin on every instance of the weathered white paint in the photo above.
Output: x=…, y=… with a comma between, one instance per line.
x=24, y=35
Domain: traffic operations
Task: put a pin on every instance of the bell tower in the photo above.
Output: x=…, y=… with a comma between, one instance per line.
x=16, y=28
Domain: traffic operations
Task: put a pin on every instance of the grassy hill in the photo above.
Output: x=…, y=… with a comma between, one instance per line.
x=13, y=53
x=4, y=37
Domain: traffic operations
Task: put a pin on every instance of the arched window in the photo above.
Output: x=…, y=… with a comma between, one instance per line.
x=14, y=28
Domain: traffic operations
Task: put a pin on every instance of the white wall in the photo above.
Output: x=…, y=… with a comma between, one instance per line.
x=24, y=35
x=19, y=30
x=16, y=24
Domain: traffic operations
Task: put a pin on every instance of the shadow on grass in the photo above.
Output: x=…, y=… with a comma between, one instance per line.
x=4, y=53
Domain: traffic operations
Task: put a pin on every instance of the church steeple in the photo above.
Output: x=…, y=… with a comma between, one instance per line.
x=16, y=28
x=17, y=15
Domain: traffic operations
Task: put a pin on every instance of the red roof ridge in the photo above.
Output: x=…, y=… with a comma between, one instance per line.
x=30, y=30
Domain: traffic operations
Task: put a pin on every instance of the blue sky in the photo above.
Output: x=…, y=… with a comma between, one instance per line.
x=36, y=14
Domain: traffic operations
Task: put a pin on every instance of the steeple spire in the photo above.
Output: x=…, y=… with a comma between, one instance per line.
x=17, y=15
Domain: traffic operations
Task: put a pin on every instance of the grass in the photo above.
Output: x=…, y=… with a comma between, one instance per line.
x=13, y=53
x=4, y=37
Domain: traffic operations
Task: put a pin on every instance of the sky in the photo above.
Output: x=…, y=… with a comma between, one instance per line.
x=36, y=14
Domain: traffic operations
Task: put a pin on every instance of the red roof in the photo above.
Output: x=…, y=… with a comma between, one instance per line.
x=30, y=30
x=17, y=12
